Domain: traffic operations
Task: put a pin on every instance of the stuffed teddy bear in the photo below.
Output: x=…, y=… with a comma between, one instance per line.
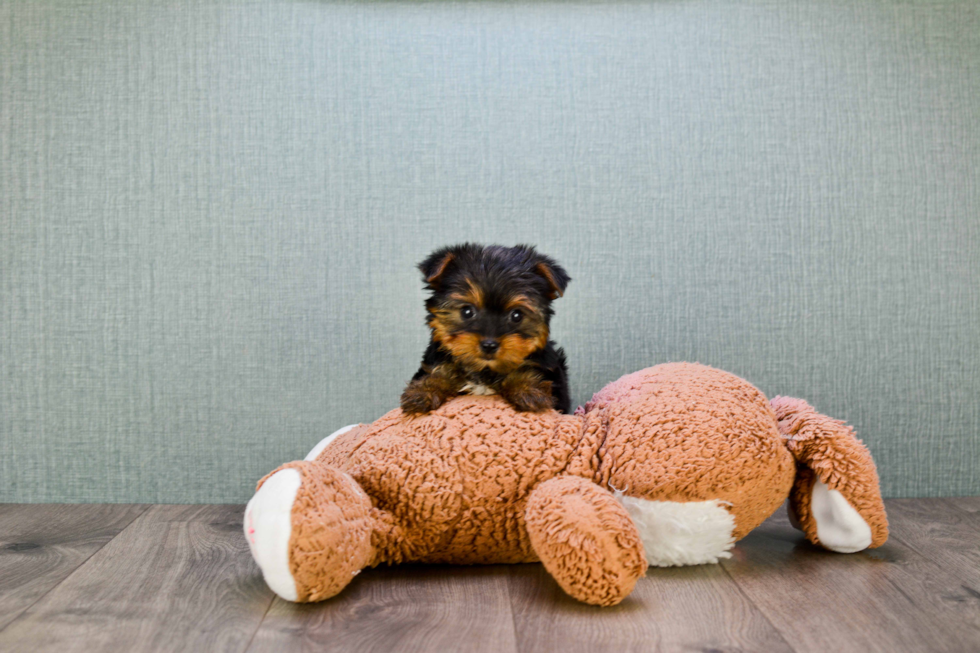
x=667, y=466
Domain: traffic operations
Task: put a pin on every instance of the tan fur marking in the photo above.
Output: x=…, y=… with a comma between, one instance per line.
x=522, y=302
x=515, y=348
x=473, y=295
x=465, y=348
x=550, y=278
x=441, y=270
x=442, y=323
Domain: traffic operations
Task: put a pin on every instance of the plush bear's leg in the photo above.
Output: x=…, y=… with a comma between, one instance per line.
x=322, y=444
x=585, y=539
x=309, y=529
x=835, y=500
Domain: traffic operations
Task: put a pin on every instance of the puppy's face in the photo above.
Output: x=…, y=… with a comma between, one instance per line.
x=491, y=306
x=486, y=327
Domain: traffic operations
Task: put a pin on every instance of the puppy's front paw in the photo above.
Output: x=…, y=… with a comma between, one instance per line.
x=532, y=402
x=532, y=398
x=418, y=400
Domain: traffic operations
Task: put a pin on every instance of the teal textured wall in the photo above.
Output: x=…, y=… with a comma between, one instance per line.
x=210, y=213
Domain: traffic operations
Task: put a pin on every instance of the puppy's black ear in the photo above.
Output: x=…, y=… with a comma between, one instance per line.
x=554, y=274
x=436, y=265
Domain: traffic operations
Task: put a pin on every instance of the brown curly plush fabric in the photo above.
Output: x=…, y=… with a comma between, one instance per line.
x=827, y=449
x=331, y=544
x=586, y=540
x=477, y=482
x=688, y=432
x=455, y=481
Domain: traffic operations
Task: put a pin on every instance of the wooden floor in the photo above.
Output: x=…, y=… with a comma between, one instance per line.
x=180, y=578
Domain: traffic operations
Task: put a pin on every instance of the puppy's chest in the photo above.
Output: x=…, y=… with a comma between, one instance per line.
x=483, y=382
x=478, y=389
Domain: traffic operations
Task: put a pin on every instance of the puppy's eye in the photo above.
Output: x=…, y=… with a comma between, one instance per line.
x=516, y=316
x=467, y=312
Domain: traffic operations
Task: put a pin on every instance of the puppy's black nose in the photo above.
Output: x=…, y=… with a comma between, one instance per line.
x=489, y=346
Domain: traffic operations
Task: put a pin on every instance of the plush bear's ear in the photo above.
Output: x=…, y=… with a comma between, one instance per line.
x=436, y=265
x=554, y=274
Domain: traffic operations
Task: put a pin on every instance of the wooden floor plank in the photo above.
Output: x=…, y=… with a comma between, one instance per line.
x=40, y=545
x=969, y=505
x=948, y=537
x=410, y=609
x=179, y=578
x=674, y=609
x=886, y=599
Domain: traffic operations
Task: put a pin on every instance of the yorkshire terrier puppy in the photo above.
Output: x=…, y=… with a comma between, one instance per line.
x=489, y=314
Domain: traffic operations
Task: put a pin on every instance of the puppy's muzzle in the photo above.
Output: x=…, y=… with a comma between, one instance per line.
x=489, y=347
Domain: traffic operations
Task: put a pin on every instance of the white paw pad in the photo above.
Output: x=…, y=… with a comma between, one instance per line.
x=839, y=526
x=268, y=525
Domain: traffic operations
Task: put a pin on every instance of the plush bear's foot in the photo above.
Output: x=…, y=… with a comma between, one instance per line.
x=309, y=530
x=585, y=539
x=268, y=526
x=835, y=499
x=839, y=527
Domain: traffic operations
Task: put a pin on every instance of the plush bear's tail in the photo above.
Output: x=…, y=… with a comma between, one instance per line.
x=836, y=500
